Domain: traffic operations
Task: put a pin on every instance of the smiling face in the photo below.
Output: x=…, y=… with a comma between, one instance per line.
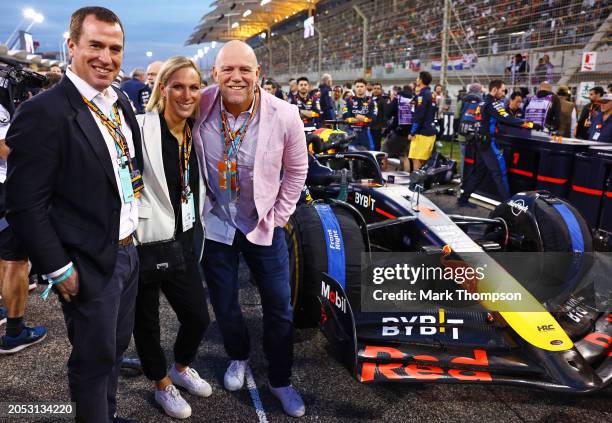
x=236, y=72
x=97, y=55
x=182, y=94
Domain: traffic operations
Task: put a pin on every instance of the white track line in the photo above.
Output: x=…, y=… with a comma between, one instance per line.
x=261, y=413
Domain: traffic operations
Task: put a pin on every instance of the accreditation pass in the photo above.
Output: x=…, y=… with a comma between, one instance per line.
x=36, y=409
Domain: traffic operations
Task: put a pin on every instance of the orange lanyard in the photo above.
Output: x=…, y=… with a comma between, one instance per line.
x=113, y=127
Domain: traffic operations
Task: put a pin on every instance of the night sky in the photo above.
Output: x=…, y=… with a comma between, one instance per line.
x=155, y=25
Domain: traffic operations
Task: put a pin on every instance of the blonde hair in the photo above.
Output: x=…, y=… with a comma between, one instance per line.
x=157, y=101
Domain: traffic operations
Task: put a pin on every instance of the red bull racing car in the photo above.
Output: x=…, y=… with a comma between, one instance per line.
x=352, y=210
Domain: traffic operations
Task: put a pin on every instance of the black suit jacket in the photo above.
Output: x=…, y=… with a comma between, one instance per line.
x=62, y=198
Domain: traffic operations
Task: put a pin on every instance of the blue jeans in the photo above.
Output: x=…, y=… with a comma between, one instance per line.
x=269, y=266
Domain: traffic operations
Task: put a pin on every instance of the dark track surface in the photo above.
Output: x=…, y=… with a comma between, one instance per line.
x=330, y=393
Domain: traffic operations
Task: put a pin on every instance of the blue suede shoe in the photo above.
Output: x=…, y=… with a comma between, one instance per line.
x=27, y=337
x=2, y=315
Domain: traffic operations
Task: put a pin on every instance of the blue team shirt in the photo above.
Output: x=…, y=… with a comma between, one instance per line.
x=601, y=130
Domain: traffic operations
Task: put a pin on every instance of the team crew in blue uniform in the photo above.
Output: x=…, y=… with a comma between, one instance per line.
x=601, y=126
x=360, y=111
x=489, y=158
x=309, y=105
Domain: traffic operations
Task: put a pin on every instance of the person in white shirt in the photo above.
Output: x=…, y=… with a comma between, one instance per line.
x=72, y=188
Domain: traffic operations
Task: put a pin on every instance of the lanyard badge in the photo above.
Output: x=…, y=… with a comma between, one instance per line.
x=227, y=168
x=129, y=176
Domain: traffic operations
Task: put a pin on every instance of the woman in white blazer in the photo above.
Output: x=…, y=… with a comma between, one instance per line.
x=169, y=225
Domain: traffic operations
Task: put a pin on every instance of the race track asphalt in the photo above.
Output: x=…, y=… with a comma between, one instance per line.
x=330, y=392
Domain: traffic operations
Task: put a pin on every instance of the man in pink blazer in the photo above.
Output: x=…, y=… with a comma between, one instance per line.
x=252, y=152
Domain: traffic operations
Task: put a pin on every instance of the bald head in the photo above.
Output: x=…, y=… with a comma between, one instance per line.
x=545, y=86
x=152, y=71
x=236, y=48
x=236, y=72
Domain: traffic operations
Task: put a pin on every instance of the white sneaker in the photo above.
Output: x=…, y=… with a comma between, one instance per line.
x=191, y=380
x=290, y=399
x=172, y=402
x=234, y=375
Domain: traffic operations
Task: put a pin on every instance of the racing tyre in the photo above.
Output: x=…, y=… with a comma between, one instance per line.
x=538, y=222
x=306, y=243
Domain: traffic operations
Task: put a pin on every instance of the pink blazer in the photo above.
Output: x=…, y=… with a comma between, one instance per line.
x=281, y=146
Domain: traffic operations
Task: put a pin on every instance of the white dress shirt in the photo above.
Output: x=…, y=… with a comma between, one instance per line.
x=105, y=100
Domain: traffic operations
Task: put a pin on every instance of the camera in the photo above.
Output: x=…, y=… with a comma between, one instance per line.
x=17, y=84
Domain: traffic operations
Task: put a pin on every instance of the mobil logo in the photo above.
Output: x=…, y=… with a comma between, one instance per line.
x=333, y=296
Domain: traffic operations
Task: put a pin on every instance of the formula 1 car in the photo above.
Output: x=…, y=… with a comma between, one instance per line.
x=351, y=208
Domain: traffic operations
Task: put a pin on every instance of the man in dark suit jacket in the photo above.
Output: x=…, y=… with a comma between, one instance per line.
x=74, y=209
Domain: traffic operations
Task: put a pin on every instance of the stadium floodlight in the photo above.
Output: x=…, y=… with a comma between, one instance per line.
x=36, y=18
x=149, y=54
x=66, y=35
x=246, y=13
x=235, y=25
x=29, y=13
x=264, y=2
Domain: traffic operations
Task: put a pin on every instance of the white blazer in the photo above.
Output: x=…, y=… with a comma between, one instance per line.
x=155, y=212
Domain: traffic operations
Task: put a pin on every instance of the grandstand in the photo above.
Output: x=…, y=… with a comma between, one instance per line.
x=404, y=36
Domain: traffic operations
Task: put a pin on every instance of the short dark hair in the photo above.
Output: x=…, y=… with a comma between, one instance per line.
x=360, y=81
x=496, y=83
x=269, y=82
x=598, y=90
x=348, y=85
x=376, y=83
x=516, y=94
x=302, y=78
x=425, y=77
x=100, y=13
